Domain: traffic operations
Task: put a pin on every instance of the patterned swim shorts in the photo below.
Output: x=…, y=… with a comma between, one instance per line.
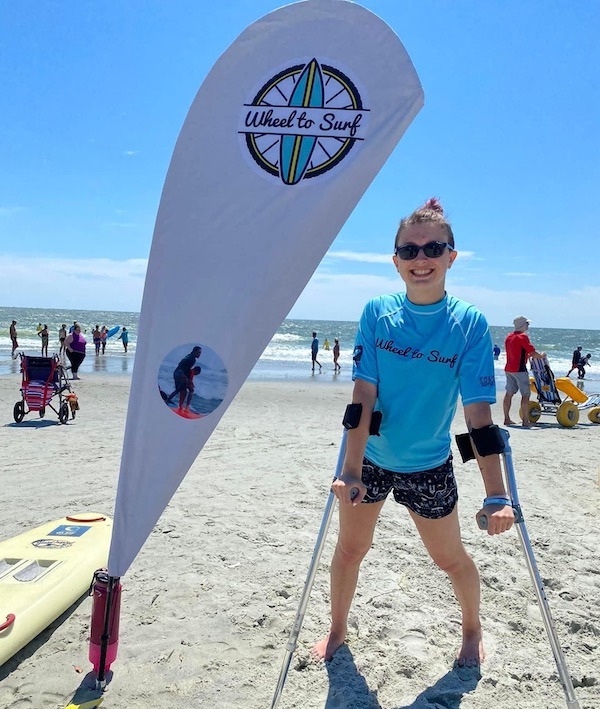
x=430, y=493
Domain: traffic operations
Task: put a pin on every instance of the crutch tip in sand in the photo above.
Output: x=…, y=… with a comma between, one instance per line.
x=484, y=517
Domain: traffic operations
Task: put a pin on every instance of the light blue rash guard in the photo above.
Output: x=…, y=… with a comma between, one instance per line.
x=420, y=357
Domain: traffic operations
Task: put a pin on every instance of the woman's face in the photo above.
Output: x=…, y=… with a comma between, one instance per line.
x=425, y=277
x=77, y=329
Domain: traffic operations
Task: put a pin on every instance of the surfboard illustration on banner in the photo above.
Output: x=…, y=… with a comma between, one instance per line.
x=287, y=131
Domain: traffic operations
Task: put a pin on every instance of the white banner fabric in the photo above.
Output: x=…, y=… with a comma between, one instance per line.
x=286, y=133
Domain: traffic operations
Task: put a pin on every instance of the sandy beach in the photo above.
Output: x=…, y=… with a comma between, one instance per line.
x=209, y=602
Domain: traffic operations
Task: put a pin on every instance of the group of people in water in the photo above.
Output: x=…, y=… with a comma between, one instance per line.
x=72, y=343
x=314, y=351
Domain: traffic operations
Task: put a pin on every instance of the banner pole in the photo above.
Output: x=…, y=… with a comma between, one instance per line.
x=310, y=577
x=538, y=586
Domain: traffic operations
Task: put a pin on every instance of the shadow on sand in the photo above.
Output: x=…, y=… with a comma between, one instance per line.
x=348, y=688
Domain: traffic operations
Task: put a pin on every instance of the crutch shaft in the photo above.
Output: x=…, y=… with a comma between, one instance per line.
x=536, y=579
x=310, y=577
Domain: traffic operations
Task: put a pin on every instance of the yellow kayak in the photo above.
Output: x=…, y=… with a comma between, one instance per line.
x=44, y=571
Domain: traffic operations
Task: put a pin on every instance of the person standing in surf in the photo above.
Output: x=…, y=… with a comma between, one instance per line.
x=62, y=336
x=182, y=376
x=124, y=337
x=415, y=352
x=44, y=335
x=314, y=351
x=13, y=337
x=336, y=355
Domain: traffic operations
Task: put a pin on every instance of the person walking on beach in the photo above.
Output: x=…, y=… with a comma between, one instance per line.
x=336, y=354
x=124, y=337
x=62, y=336
x=575, y=361
x=415, y=352
x=496, y=352
x=44, y=335
x=182, y=376
x=518, y=350
x=314, y=351
x=75, y=346
x=103, y=333
x=13, y=337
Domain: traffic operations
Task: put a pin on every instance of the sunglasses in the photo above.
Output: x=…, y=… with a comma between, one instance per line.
x=432, y=249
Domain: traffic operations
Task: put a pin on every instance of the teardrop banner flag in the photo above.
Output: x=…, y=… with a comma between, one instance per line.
x=286, y=133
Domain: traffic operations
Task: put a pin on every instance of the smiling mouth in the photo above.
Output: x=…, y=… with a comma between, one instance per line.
x=421, y=271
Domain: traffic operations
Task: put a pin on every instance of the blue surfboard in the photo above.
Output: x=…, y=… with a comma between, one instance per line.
x=113, y=331
x=296, y=150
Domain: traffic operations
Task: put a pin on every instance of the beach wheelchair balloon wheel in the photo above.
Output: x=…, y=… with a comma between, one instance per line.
x=63, y=412
x=534, y=412
x=594, y=414
x=567, y=414
x=19, y=411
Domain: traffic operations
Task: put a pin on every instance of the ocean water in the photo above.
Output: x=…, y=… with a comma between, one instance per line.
x=287, y=356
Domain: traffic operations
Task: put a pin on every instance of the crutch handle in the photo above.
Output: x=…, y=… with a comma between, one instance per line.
x=354, y=493
x=482, y=520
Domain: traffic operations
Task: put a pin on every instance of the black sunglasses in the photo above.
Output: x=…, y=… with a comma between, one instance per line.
x=432, y=249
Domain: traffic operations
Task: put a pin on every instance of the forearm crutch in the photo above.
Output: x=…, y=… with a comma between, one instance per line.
x=559, y=658
x=310, y=577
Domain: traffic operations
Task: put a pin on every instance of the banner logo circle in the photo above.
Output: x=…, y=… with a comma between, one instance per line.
x=303, y=122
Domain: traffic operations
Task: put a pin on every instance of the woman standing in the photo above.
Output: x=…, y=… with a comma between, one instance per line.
x=75, y=344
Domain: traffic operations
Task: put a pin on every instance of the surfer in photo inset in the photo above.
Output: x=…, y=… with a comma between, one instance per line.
x=182, y=376
x=419, y=350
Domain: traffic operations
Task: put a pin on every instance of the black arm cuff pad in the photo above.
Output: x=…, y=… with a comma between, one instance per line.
x=465, y=448
x=352, y=419
x=352, y=416
x=375, y=423
x=487, y=440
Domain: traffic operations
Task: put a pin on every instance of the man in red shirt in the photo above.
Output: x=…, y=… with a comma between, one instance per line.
x=518, y=350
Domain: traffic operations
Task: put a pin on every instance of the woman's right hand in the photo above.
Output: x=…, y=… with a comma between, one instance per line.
x=349, y=489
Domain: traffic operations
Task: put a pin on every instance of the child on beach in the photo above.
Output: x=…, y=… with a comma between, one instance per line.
x=415, y=352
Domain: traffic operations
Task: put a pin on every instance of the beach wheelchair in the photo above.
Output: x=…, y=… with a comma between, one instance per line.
x=549, y=400
x=44, y=380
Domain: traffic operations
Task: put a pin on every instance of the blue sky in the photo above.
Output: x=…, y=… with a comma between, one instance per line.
x=94, y=95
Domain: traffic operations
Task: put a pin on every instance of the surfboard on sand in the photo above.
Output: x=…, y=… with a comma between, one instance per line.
x=44, y=571
x=113, y=331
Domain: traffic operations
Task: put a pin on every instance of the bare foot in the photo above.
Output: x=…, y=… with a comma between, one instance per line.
x=471, y=653
x=325, y=649
x=526, y=424
x=509, y=422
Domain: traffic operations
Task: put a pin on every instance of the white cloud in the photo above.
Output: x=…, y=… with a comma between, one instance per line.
x=109, y=284
x=130, y=153
x=343, y=296
x=359, y=256
x=9, y=211
x=94, y=284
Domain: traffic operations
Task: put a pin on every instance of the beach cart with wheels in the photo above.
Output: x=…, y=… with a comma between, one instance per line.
x=549, y=401
x=44, y=385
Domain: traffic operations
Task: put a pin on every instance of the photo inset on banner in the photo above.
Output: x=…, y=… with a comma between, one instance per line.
x=192, y=380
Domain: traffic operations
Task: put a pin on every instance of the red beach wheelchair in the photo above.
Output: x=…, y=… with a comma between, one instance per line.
x=44, y=379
